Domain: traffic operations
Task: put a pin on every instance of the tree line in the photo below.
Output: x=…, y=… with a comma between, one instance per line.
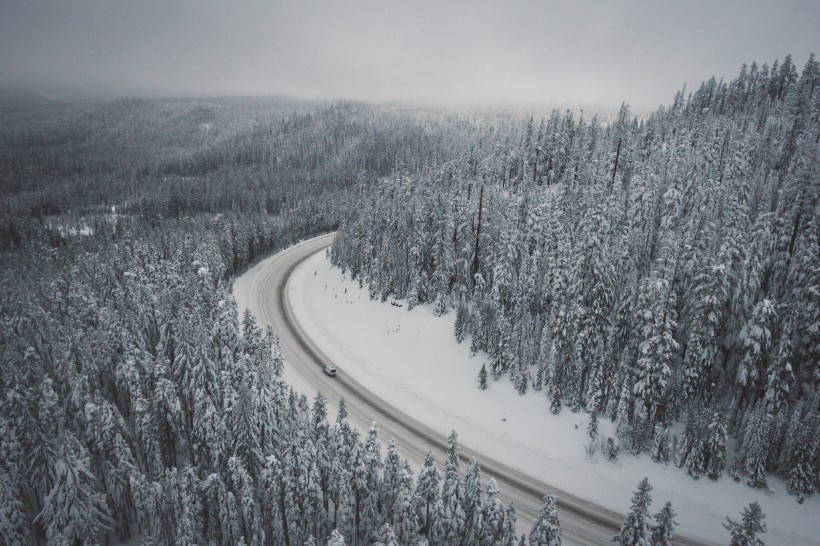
x=650, y=270
x=137, y=403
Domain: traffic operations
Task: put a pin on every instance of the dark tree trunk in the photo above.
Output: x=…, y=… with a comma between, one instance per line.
x=284, y=514
x=615, y=167
x=474, y=269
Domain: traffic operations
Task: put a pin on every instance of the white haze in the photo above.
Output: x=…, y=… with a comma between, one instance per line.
x=476, y=52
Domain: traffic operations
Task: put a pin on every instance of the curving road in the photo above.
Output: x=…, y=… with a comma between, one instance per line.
x=582, y=522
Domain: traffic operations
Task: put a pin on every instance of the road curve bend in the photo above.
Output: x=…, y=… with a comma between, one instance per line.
x=582, y=522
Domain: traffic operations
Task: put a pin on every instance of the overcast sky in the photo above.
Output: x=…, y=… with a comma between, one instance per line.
x=471, y=52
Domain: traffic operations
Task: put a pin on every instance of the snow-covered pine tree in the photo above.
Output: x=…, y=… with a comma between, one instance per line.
x=592, y=275
x=661, y=446
x=692, y=454
x=452, y=493
x=221, y=502
x=803, y=473
x=391, y=481
x=73, y=510
x=407, y=520
x=706, y=298
x=745, y=532
x=336, y=538
x=492, y=516
x=623, y=428
x=592, y=426
x=460, y=327
x=344, y=510
x=755, y=340
x=715, y=445
x=508, y=534
x=427, y=489
x=656, y=306
x=322, y=441
x=14, y=529
x=482, y=377
x=387, y=536
x=635, y=528
x=546, y=530
x=244, y=490
x=472, y=502
x=664, y=532
x=752, y=458
x=780, y=380
x=436, y=528
x=359, y=489
x=270, y=498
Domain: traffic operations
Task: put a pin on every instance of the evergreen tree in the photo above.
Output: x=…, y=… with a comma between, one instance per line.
x=755, y=340
x=452, y=493
x=746, y=531
x=472, y=502
x=427, y=488
x=752, y=459
x=508, y=534
x=221, y=503
x=436, y=528
x=692, y=454
x=13, y=522
x=244, y=490
x=657, y=306
x=372, y=517
x=592, y=427
x=387, y=537
x=482, y=377
x=780, y=380
x=635, y=528
x=623, y=428
x=336, y=538
x=802, y=475
x=661, y=448
x=407, y=521
x=492, y=516
x=74, y=510
x=459, y=328
x=705, y=300
x=546, y=531
x=664, y=533
x=715, y=446
x=345, y=509
x=359, y=489
x=391, y=482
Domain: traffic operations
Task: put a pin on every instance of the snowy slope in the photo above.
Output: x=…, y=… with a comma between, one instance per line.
x=412, y=360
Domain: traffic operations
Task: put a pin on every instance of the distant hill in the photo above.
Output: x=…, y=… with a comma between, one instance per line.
x=12, y=99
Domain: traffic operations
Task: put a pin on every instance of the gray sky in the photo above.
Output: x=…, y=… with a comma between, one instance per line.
x=471, y=52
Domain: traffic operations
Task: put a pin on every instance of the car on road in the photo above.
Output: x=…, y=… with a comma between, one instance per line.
x=330, y=370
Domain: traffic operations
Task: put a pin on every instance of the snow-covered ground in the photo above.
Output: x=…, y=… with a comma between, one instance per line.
x=412, y=360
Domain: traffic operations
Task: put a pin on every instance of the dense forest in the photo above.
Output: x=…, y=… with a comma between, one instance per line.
x=655, y=270
x=673, y=256
x=136, y=403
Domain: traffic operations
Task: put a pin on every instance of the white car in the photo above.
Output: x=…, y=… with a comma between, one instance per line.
x=330, y=370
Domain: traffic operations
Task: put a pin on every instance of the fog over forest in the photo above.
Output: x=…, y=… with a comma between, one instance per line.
x=544, y=54
x=616, y=204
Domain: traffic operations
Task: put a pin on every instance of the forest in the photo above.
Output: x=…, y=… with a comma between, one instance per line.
x=136, y=402
x=646, y=269
x=651, y=270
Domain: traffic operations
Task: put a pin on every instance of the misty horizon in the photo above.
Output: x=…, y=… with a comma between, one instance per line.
x=473, y=55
